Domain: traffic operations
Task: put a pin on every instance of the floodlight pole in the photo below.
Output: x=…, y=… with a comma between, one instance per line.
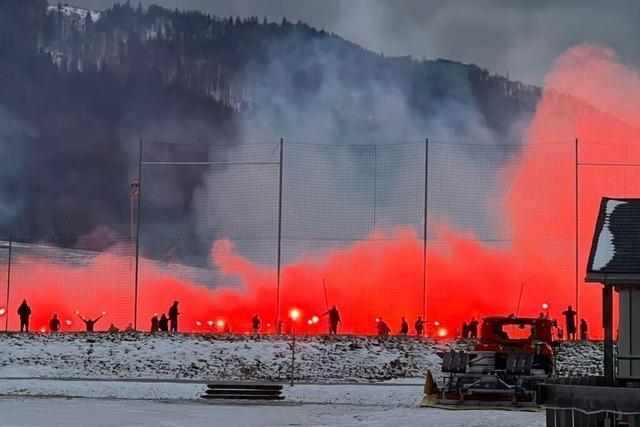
x=136, y=279
x=279, y=240
x=6, y=309
x=293, y=350
x=577, y=231
x=424, y=231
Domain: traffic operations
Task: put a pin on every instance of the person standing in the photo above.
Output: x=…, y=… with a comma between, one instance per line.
x=383, y=328
x=465, y=330
x=90, y=323
x=24, y=311
x=334, y=319
x=473, y=328
x=570, y=321
x=54, y=323
x=255, y=325
x=155, y=324
x=163, y=324
x=173, y=316
x=584, y=329
x=404, y=327
x=419, y=325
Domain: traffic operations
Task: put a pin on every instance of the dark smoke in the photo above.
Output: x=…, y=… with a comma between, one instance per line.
x=78, y=95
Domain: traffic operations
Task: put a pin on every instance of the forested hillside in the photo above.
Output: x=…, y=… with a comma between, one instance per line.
x=79, y=88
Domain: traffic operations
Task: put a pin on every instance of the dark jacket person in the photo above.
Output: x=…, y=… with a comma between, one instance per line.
x=173, y=316
x=54, y=323
x=24, y=311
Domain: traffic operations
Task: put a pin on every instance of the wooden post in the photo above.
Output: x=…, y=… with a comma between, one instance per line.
x=607, y=324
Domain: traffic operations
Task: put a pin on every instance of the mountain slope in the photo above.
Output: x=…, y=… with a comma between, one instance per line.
x=80, y=88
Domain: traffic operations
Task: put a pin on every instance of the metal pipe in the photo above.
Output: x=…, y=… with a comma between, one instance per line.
x=424, y=231
x=279, y=239
x=137, y=279
x=6, y=308
x=577, y=231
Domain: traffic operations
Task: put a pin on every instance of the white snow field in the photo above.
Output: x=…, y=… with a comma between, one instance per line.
x=139, y=379
x=98, y=413
x=238, y=357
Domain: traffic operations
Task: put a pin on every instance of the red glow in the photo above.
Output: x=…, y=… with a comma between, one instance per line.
x=210, y=323
x=294, y=314
x=69, y=322
x=442, y=332
x=383, y=277
x=2, y=311
x=220, y=323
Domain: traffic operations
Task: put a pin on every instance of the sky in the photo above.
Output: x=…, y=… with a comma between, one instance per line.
x=518, y=38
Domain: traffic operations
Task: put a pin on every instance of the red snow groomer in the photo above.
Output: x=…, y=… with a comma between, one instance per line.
x=513, y=355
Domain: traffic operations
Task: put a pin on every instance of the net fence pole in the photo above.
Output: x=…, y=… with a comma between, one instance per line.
x=137, y=273
x=279, y=256
x=6, y=320
x=424, y=231
x=577, y=231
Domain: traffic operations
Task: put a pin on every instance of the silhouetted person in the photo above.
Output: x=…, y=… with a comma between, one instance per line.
x=255, y=324
x=465, y=330
x=404, y=327
x=173, y=316
x=383, y=328
x=570, y=320
x=112, y=329
x=163, y=324
x=334, y=319
x=129, y=328
x=90, y=323
x=419, y=325
x=24, y=311
x=54, y=323
x=473, y=328
x=227, y=328
x=155, y=324
x=584, y=329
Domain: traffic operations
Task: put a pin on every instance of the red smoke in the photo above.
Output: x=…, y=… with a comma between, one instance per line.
x=588, y=95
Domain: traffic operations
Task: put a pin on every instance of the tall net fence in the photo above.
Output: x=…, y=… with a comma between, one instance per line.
x=441, y=230
x=55, y=278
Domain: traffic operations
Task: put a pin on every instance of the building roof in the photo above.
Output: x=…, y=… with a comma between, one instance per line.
x=615, y=250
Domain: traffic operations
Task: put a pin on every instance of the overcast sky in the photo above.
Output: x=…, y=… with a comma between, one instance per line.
x=518, y=37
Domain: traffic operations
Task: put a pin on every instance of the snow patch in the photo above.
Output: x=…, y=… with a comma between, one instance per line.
x=73, y=11
x=605, y=249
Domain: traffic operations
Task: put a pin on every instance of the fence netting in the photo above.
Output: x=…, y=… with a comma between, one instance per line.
x=234, y=231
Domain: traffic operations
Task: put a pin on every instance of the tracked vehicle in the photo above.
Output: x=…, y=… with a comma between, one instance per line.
x=513, y=356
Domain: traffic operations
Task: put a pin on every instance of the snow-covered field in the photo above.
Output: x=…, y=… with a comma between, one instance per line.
x=142, y=379
x=98, y=413
x=239, y=357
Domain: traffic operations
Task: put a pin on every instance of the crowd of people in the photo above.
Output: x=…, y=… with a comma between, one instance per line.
x=169, y=323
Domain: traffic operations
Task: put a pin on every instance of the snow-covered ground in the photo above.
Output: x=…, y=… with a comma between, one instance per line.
x=239, y=357
x=142, y=379
x=98, y=413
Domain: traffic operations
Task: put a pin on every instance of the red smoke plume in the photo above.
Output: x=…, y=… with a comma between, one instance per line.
x=588, y=95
